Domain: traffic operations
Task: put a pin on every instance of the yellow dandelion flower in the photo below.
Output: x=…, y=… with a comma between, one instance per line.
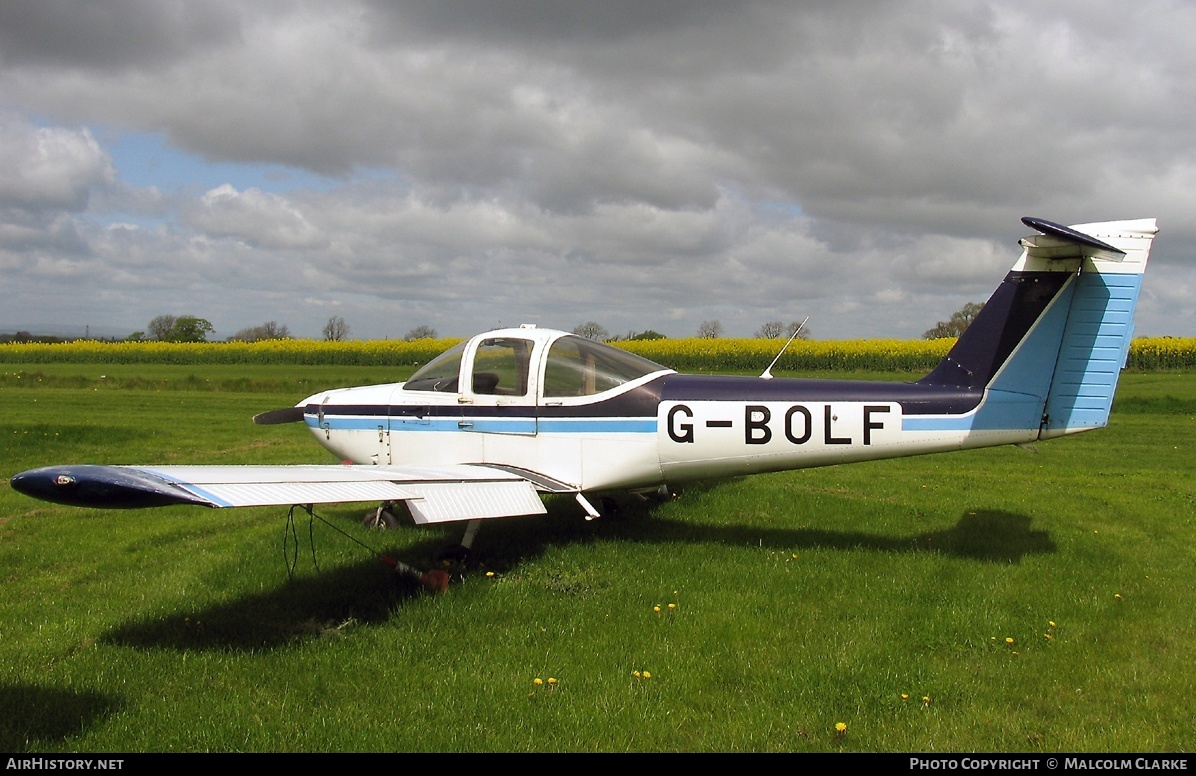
x=1117, y=596
x=926, y=700
x=636, y=674
x=840, y=727
x=1051, y=623
x=672, y=606
x=905, y=696
x=537, y=681
x=647, y=675
x=489, y=573
x=551, y=681
x=1009, y=640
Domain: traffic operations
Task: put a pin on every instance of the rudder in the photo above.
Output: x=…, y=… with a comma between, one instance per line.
x=1099, y=327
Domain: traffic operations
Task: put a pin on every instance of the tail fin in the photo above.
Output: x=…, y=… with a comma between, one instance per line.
x=1049, y=345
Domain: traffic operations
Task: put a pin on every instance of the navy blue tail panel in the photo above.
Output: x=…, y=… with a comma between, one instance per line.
x=989, y=341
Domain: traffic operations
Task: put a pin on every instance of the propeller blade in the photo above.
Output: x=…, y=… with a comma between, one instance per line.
x=274, y=417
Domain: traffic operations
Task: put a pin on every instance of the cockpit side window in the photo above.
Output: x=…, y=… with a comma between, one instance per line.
x=501, y=366
x=440, y=374
x=581, y=367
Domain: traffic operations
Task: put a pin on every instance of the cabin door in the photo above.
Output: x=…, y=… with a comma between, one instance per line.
x=500, y=395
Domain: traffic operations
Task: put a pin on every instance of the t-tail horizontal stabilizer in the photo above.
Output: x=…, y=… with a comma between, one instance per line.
x=1071, y=237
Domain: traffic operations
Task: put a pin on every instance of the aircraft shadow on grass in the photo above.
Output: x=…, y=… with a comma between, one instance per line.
x=35, y=716
x=368, y=593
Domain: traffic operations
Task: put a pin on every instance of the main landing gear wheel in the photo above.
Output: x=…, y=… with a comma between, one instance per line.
x=455, y=553
x=383, y=518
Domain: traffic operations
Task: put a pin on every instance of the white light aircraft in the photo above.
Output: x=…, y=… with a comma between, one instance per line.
x=485, y=428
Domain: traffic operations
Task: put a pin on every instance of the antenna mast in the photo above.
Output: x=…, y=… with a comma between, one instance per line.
x=767, y=375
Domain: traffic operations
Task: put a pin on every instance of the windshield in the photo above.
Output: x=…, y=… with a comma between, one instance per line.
x=439, y=374
x=582, y=367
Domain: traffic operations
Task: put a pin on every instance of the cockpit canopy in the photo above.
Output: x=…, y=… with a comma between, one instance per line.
x=525, y=362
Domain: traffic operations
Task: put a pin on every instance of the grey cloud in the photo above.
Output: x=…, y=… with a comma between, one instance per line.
x=22, y=232
x=112, y=34
x=657, y=163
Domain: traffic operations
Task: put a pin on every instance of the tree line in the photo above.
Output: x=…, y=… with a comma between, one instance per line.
x=713, y=329
x=190, y=328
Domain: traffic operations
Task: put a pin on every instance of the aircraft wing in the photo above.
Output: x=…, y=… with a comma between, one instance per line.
x=433, y=494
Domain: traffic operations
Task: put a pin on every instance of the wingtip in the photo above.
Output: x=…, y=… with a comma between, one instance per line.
x=102, y=487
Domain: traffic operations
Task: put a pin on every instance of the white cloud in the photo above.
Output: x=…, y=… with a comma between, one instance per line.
x=259, y=218
x=49, y=167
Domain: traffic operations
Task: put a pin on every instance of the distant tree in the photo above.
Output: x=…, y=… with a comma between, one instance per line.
x=710, y=330
x=336, y=329
x=273, y=330
x=804, y=334
x=420, y=332
x=647, y=334
x=188, y=328
x=954, y=326
x=591, y=331
x=770, y=330
x=137, y=336
x=269, y=330
x=24, y=336
x=161, y=327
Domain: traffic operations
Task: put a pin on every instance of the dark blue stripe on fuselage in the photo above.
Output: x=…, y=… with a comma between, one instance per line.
x=914, y=398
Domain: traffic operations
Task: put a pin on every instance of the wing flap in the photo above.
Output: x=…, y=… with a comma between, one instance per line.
x=445, y=502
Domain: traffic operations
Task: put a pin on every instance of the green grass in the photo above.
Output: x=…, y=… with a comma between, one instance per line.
x=799, y=599
x=265, y=379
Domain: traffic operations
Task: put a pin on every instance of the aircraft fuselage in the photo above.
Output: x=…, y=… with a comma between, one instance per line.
x=666, y=429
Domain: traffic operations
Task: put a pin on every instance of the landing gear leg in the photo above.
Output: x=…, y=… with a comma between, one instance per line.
x=460, y=551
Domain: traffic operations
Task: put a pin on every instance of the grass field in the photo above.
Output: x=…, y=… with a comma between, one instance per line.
x=992, y=600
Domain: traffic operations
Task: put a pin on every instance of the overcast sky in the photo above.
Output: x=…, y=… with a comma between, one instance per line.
x=637, y=163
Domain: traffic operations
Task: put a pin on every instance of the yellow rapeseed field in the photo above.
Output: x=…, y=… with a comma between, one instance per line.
x=690, y=354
